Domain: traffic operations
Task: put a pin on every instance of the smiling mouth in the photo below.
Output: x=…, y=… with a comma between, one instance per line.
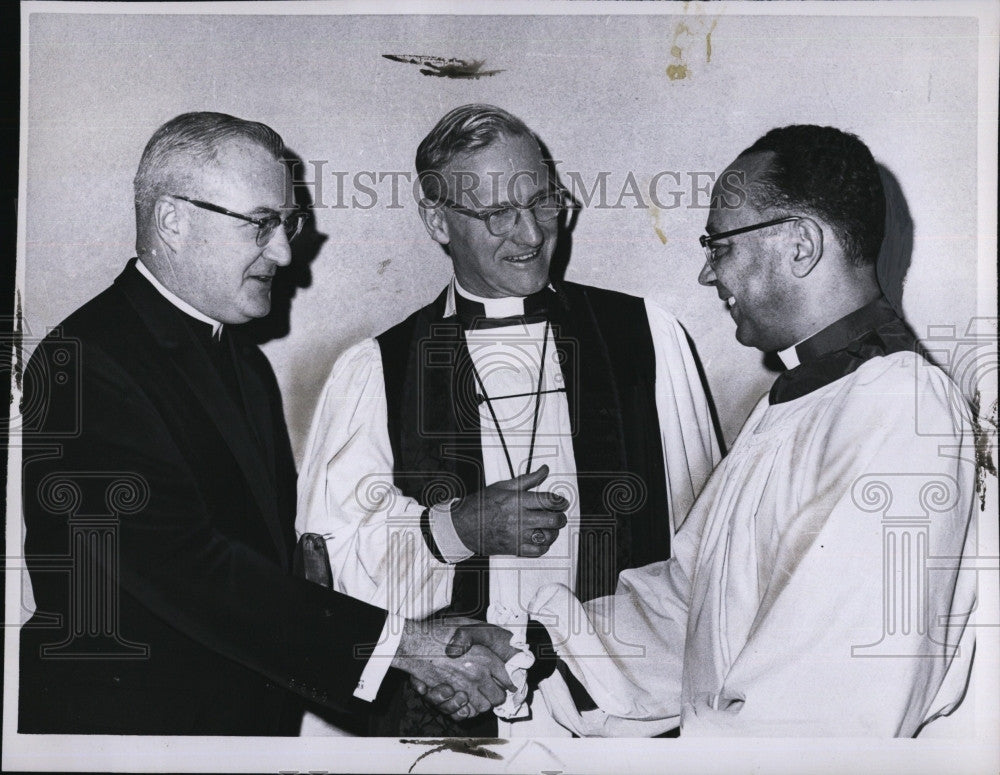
x=523, y=258
x=731, y=302
x=262, y=278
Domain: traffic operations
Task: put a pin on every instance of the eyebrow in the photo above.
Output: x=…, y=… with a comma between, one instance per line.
x=264, y=211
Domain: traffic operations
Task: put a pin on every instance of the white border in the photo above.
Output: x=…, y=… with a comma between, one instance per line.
x=193, y=754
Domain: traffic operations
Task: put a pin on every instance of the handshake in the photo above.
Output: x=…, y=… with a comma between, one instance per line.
x=457, y=664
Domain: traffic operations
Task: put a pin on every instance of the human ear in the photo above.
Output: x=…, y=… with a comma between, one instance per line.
x=168, y=222
x=808, y=242
x=434, y=222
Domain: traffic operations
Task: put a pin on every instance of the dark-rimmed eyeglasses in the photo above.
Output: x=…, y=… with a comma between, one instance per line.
x=266, y=225
x=707, y=240
x=501, y=221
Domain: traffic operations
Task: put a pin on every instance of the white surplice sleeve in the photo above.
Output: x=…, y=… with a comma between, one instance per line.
x=644, y=623
x=626, y=649
x=690, y=446
x=831, y=605
x=860, y=628
x=346, y=494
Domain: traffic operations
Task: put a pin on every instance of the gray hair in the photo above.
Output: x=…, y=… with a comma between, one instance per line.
x=185, y=143
x=463, y=130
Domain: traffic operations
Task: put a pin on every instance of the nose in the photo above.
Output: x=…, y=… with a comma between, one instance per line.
x=707, y=275
x=278, y=248
x=527, y=231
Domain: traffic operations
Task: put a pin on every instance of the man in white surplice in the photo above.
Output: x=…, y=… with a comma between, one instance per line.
x=429, y=441
x=814, y=588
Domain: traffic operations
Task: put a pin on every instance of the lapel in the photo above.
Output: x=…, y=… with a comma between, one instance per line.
x=169, y=330
x=256, y=399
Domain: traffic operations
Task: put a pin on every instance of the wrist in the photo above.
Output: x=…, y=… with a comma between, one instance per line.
x=465, y=523
x=409, y=645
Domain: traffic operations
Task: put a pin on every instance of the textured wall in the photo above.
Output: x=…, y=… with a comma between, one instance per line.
x=621, y=95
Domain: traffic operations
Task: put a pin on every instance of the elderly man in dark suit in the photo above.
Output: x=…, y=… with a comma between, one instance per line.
x=167, y=508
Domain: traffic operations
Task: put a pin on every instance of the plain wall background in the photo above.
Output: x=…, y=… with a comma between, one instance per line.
x=595, y=88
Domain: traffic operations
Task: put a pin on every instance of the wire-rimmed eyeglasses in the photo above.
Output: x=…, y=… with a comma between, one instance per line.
x=266, y=225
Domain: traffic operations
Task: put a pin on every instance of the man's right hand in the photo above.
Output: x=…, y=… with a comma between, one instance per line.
x=506, y=518
x=474, y=682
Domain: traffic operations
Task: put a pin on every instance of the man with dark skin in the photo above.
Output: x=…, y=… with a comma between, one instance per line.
x=800, y=599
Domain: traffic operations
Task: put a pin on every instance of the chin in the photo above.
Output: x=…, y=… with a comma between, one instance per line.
x=247, y=314
x=537, y=286
x=747, y=339
x=254, y=308
x=527, y=285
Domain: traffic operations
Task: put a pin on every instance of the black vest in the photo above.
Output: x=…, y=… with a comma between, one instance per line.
x=608, y=365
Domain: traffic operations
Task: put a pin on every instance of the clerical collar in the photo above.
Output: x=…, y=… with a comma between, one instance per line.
x=789, y=357
x=479, y=312
x=839, y=333
x=871, y=331
x=178, y=302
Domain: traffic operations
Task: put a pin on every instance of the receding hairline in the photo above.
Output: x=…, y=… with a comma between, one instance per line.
x=750, y=167
x=196, y=169
x=224, y=147
x=196, y=139
x=466, y=162
x=459, y=135
x=501, y=138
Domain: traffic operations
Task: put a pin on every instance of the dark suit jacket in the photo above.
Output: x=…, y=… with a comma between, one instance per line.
x=159, y=508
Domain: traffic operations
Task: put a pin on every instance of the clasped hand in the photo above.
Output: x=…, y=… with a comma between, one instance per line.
x=507, y=518
x=457, y=664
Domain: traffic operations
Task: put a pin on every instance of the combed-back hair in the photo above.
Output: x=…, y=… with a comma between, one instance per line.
x=184, y=144
x=462, y=130
x=828, y=173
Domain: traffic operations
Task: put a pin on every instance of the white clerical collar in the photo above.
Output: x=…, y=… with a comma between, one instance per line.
x=789, y=357
x=494, y=308
x=178, y=302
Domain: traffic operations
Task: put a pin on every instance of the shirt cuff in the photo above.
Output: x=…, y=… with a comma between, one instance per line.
x=381, y=659
x=443, y=531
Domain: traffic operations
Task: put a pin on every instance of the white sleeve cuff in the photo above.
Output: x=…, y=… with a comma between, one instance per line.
x=381, y=659
x=443, y=532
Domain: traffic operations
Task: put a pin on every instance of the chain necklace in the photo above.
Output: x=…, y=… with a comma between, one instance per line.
x=538, y=403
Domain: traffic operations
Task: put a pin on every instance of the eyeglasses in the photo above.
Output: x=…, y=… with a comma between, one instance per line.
x=266, y=226
x=500, y=221
x=706, y=240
